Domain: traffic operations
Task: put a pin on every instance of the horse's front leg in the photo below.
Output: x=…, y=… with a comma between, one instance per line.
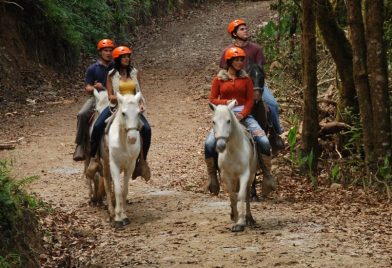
x=88, y=181
x=116, y=177
x=241, y=202
x=127, y=175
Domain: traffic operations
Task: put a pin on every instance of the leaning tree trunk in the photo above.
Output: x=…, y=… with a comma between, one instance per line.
x=310, y=122
x=340, y=49
x=357, y=34
x=378, y=74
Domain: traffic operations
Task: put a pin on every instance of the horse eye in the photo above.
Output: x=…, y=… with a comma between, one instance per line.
x=228, y=121
x=123, y=114
x=213, y=122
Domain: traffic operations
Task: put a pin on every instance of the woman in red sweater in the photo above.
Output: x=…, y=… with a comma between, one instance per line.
x=230, y=84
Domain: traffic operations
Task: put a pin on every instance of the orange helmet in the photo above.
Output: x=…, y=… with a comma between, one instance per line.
x=233, y=52
x=121, y=50
x=104, y=43
x=234, y=24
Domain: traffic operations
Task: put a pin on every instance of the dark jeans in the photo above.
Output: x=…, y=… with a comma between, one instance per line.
x=99, y=130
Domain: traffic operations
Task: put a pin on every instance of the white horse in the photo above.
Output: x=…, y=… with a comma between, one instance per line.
x=237, y=162
x=123, y=149
x=94, y=178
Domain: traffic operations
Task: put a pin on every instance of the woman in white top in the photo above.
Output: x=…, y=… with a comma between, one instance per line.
x=123, y=79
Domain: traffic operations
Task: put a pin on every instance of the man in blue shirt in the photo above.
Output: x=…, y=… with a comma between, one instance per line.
x=96, y=75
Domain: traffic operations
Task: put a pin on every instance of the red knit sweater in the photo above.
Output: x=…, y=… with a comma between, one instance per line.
x=241, y=89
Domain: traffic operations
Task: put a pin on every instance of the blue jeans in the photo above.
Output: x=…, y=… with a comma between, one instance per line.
x=99, y=129
x=253, y=127
x=273, y=105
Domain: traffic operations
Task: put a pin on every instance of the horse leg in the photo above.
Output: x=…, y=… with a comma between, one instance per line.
x=108, y=188
x=233, y=205
x=127, y=175
x=253, y=192
x=249, y=217
x=89, y=182
x=241, y=202
x=116, y=176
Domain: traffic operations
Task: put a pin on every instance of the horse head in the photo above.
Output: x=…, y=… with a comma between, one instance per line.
x=222, y=120
x=101, y=100
x=256, y=73
x=129, y=112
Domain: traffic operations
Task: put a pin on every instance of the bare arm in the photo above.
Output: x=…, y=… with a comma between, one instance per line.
x=109, y=86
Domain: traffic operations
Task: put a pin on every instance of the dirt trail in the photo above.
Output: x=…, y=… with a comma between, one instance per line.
x=173, y=224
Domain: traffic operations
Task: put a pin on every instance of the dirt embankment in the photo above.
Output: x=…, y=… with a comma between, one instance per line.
x=174, y=224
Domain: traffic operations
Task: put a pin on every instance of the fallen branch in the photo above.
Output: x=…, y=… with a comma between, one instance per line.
x=333, y=127
x=13, y=3
x=7, y=146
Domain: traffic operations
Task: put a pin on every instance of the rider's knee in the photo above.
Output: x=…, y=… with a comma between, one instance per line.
x=263, y=144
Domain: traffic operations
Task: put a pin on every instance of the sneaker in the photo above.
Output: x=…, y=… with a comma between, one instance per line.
x=79, y=153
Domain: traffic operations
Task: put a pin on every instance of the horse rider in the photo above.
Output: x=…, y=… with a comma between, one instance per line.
x=238, y=30
x=95, y=78
x=233, y=83
x=123, y=79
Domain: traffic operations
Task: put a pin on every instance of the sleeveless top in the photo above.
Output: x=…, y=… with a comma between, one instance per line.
x=128, y=89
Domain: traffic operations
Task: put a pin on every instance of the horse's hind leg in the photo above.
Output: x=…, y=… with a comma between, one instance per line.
x=253, y=192
x=108, y=189
x=249, y=217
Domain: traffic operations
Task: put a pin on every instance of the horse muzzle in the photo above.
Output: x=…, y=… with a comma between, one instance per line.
x=221, y=144
x=132, y=135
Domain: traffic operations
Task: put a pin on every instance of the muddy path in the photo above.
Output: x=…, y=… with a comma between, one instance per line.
x=174, y=224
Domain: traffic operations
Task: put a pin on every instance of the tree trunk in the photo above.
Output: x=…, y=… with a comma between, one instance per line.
x=357, y=35
x=310, y=123
x=340, y=49
x=378, y=77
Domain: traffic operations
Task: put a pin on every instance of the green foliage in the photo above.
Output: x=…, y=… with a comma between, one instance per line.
x=278, y=38
x=292, y=139
x=353, y=136
x=385, y=171
x=81, y=24
x=335, y=173
x=10, y=260
x=12, y=196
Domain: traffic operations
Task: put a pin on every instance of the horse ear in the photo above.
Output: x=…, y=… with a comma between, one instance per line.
x=120, y=98
x=212, y=106
x=231, y=104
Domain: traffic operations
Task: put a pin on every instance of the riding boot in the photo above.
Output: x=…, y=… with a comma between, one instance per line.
x=79, y=153
x=276, y=142
x=213, y=183
x=146, y=172
x=269, y=182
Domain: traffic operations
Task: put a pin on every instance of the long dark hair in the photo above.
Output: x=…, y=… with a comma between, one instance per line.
x=117, y=66
x=229, y=62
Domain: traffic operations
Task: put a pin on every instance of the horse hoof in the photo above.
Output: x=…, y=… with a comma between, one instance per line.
x=126, y=221
x=250, y=220
x=254, y=198
x=118, y=225
x=214, y=189
x=238, y=228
